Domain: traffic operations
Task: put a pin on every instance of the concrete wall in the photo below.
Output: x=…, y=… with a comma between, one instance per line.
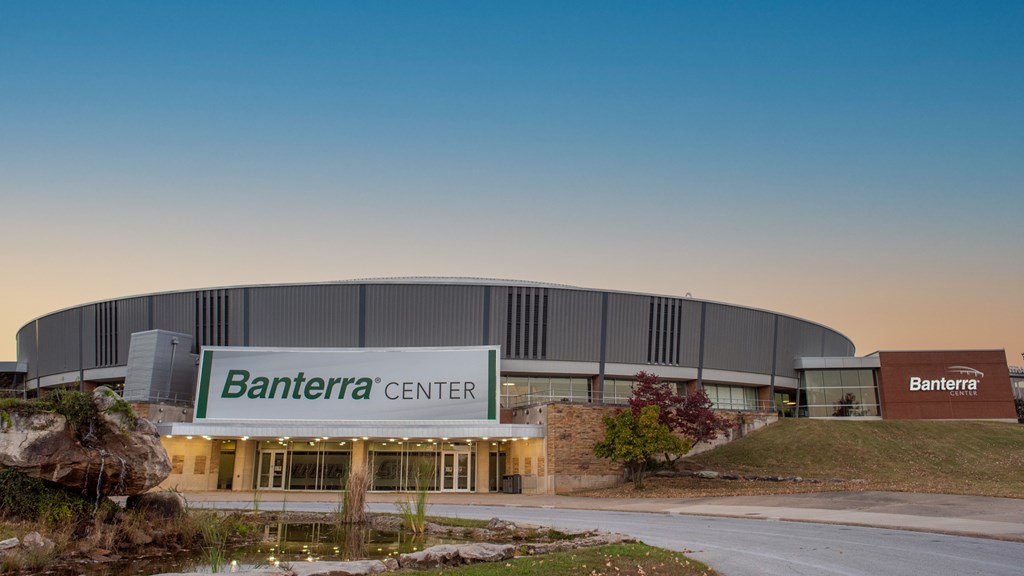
x=745, y=424
x=194, y=464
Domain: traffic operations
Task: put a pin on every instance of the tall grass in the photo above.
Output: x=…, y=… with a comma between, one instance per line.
x=214, y=530
x=353, y=503
x=413, y=508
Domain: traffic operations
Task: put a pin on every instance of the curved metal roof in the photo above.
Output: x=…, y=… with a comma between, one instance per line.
x=439, y=280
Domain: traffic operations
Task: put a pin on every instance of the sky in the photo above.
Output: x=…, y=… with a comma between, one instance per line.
x=859, y=164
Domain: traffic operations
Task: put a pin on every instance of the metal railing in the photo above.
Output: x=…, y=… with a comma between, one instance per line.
x=522, y=400
x=174, y=399
x=530, y=399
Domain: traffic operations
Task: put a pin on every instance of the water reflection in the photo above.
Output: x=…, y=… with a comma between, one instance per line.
x=283, y=543
x=322, y=541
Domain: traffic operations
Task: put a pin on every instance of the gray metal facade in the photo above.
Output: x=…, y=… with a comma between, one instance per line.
x=531, y=321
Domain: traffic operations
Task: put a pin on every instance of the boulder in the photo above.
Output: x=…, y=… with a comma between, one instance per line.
x=9, y=543
x=499, y=524
x=709, y=474
x=38, y=542
x=253, y=572
x=433, y=557
x=485, y=552
x=599, y=539
x=352, y=568
x=165, y=504
x=138, y=537
x=455, y=554
x=114, y=456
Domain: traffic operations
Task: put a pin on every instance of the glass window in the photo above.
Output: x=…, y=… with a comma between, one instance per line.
x=838, y=393
x=726, y=397
x=751, y=398
x=302, y=474
x=832, y=379
x=527, y=390
x=712, y=391
x=515, y=391
x=617, y=391
x=397, y=465
x=561, y=389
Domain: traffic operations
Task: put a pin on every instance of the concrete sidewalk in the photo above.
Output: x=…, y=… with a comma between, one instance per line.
x=981, y=516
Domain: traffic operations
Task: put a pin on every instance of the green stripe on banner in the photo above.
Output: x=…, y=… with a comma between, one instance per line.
x=204, y=384
x=492, y=388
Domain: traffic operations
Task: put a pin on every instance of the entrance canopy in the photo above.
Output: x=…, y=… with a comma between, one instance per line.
x=352, y=429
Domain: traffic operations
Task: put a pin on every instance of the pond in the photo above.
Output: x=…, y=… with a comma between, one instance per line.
x=285, y=543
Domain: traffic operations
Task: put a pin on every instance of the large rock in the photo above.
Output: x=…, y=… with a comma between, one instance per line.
x=115, y=456
x=433, y=557
x=36, y=541
x=485, y=552
x=351, y=568
x=158, y=505
x=455, y=554
x=253, y=572
x=599, y=539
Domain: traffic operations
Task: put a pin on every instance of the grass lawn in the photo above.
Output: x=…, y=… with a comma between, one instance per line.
x=614, y=559
x=976, y=458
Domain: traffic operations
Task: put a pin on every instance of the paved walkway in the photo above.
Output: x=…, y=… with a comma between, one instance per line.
x=981, y=516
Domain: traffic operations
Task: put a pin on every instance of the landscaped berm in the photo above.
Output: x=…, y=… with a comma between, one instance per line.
x=801, y=455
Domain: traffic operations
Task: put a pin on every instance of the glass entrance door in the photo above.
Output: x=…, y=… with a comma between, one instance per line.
x=272, y=469
x=455, y=470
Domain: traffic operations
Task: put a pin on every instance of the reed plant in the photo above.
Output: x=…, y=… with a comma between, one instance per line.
x=413, y=508
x=353, y=503
x=214, y=531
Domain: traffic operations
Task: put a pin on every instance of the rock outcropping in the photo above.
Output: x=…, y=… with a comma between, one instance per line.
x=112, y=454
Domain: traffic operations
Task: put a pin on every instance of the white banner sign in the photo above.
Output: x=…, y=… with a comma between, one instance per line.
x=299, y=384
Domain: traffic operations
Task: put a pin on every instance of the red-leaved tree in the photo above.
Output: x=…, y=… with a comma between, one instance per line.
x=691, y=415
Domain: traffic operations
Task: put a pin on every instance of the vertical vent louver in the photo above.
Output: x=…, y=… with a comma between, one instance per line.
x=664, y=340
x=526, y=327
x=212, y=318
x=106, y=333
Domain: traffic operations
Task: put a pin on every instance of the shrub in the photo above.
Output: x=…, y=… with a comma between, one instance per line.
x=77, y=407
x=634, y=440
x=25, y=498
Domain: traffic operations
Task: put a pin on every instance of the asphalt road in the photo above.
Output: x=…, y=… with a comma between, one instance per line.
x=740, y=547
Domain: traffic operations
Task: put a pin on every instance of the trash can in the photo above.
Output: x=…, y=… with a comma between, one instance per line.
x=512, y=484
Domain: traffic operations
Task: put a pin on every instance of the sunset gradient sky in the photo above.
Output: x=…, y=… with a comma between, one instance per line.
x=859, y=164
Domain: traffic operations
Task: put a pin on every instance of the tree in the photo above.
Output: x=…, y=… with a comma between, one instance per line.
x=633, y=440
x=691, y=415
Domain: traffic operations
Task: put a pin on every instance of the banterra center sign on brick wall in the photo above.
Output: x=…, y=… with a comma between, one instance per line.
x=396, y=384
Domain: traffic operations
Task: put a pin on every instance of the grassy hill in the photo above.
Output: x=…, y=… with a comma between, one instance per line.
x=980, y=458
x=949, y=457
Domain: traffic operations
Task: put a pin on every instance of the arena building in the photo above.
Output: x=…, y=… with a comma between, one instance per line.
x=492, y=384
